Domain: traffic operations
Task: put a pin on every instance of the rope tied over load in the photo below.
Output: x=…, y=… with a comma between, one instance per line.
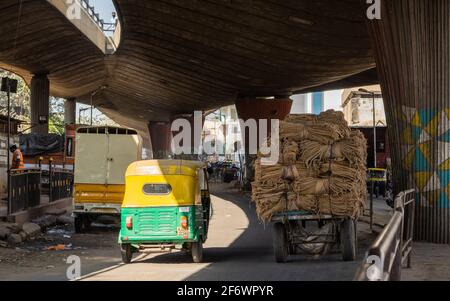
x=322, y=169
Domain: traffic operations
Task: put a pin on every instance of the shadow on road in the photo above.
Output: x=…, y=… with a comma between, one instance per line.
x=255, y=240
x=250, y=256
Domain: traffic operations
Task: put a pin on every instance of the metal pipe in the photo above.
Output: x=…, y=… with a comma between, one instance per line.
x=8, y=157
x=374, y=132
x=374, y=152
x=92, y=108
x=374, y=159
x=371, y=205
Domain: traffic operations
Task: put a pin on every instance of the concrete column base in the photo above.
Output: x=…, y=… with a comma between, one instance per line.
x=259, y=109
x=70, y=111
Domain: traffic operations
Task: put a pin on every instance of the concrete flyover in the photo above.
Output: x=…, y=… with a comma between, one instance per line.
x=176, y=56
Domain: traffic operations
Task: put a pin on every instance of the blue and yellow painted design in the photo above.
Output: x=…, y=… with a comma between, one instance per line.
x=425, y=139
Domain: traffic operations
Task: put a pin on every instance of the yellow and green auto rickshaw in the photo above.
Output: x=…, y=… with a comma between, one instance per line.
x=166, y=206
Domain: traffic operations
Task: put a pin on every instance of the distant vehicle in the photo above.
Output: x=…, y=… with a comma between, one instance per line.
x=379, y=177
x=166, y=206
x=101, y=159
x=41, y=151
x=230, y=173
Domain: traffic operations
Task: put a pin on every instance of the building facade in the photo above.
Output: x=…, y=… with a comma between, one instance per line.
x=221, y=131
x=316, y=103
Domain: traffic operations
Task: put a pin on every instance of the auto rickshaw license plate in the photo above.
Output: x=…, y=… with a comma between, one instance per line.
x=104, y=210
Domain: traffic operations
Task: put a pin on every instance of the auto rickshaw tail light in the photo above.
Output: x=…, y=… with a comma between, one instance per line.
x=129, y=223
x=184, y=222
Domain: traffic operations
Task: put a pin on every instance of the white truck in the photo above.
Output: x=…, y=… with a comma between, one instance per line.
x=102, y=157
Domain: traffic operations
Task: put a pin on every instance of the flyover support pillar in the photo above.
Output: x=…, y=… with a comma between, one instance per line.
x=187, y=135
x=161, y=138
x=412, y=49
x=40, y=94
x=258, y=109
x=70, y=114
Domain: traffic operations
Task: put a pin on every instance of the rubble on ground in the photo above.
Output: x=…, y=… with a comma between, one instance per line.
x=13, y=235
x=46, y=221
x=31, y=229
x=15, y=239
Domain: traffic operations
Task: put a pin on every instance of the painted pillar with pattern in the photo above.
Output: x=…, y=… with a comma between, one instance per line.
x=412, y=49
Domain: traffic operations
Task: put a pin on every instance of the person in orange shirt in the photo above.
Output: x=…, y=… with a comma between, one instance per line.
x=17, y=159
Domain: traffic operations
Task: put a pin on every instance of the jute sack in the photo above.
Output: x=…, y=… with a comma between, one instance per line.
x=321, y=186
x=344, y=205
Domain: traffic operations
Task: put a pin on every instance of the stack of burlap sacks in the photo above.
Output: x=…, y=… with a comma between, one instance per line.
x=322, y=169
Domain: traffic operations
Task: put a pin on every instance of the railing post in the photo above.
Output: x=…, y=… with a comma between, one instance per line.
x=50, y=181
x=9, y=204
x=27, y=191
x=394, y=245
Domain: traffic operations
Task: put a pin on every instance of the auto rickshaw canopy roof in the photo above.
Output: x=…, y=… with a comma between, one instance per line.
x=164, y=167
x=182, y=178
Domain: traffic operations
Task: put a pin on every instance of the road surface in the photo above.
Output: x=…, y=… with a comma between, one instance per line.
x=239, y=248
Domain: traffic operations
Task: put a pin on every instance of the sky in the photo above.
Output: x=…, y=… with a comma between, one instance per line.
x=104, y=8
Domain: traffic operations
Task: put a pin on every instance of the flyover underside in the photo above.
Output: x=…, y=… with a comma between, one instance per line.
x=413, y=57
x=179, y=56
x=36, y=38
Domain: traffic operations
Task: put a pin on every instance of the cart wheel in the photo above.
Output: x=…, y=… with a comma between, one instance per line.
x=348, y=240
x=79, y=224
x=197, y=251
x=280, y=243
x=127, y=253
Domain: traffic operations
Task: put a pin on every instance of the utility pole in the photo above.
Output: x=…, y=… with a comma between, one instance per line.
x=9, y=86
x=92, y=108
x=375, y=163
x=8, y=157
x=372, y=189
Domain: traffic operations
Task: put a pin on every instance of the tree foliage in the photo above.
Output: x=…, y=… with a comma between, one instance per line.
x=20, y=101
x=21, y=109
x=56, y=120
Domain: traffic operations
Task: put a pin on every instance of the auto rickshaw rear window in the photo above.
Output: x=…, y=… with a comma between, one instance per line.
x=157, y=189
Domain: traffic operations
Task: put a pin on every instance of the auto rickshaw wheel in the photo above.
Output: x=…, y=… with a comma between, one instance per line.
x=197, y=251
x=127, y=253
x=280, y=243
x=348, y=237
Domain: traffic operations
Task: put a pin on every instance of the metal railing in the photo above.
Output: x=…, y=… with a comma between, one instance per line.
x=392, y=249
x=25, y=190
x=60, y=184
x=105, y=26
